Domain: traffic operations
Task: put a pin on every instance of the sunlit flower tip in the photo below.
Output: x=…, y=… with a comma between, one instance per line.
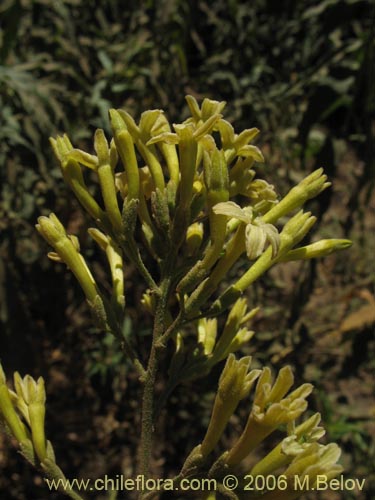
x=55, y=148
x=236, y=380
x=252, y=152
x=210, y=107
x=314, y=183
x=101, y=147
x=242, y=140
x=283, y=383
x=207, y=126
x=207, y=332
x=61, y=146
x=85, y=159
x=266, y=393
x=193, y=107
x=117, y=123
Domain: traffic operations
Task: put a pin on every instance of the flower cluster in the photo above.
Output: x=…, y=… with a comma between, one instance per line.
x=182, y=203
x=174, y=190
x=273, y=407
x=22, y=417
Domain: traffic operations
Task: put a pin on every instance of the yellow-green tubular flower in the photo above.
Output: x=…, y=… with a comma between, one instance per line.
x=125, y=147
x=207, y=332
x=216, y=181
x=161, y=126
x=296, y=442
x=308, y=188
x=316, y=461
x=142, y=137
x=202, y=131
x=54, y=233
x=208, y=109
x=320, y=248
x=187, y=148
x=72, y=174
x=238, y=144
x=33, y=397
x=235, y=383
x=216, y=184
x=9, y=414
x=107, y=181
x=257, y=232
x=270, y=409
x=114, y=257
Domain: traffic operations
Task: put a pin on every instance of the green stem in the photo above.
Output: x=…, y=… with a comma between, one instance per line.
x=132, y=252
x=149, y=380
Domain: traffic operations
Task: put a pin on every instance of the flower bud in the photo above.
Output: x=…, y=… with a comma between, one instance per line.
x=54, y=233
x=308, y=188
x=320, y=248
x=234, y=384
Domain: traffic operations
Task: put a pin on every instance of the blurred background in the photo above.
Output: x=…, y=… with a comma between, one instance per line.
x=302, y=72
